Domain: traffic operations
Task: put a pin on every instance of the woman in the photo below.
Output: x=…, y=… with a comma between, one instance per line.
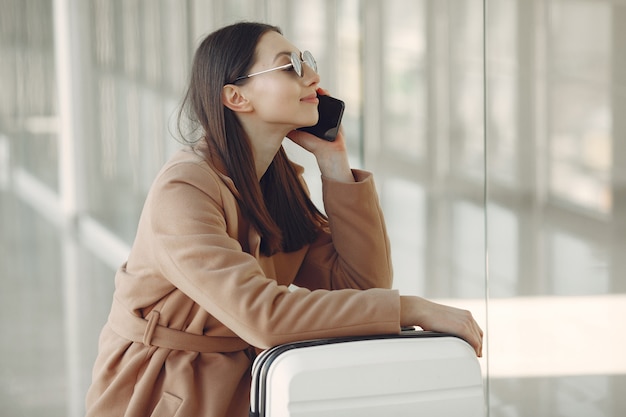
x=227, y=227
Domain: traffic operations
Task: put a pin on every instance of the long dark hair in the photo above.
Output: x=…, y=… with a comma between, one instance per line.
x=278, y=206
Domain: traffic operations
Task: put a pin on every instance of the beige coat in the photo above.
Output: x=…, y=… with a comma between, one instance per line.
x=195, y=294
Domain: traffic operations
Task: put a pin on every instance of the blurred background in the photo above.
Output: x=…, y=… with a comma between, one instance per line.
x=495, y=129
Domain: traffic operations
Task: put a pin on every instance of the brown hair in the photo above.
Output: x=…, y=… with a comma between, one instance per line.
x=278, y=206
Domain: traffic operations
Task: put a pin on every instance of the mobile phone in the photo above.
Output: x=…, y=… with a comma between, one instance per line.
x=330, y=110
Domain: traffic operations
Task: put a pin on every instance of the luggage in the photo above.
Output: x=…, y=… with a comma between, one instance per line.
x=416, y=373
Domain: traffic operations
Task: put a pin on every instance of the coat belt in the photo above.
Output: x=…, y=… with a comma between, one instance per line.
x=150, y=333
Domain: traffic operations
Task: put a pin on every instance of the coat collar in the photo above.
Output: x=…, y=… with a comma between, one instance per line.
x=202, y=148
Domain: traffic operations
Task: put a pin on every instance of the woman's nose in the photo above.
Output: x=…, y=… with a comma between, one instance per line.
x=310, y=76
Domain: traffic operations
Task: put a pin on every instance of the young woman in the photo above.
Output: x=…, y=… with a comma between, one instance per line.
x=227, y=227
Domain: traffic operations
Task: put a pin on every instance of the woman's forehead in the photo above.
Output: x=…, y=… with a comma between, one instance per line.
x=272, y=46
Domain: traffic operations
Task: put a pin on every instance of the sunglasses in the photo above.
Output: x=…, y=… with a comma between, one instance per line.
x=296, y=63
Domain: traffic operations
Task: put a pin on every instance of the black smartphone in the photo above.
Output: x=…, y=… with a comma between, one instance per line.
x=331, y=112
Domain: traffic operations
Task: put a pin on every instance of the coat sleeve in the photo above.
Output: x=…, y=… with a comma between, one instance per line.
x=188, y=233
x=355, y=253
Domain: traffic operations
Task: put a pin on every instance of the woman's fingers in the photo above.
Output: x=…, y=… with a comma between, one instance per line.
x=441, y=318
x=469, y=330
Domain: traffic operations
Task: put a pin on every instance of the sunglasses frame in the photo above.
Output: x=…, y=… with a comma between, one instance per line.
x=296, y=62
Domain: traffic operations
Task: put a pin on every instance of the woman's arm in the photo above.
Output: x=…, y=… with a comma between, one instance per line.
x=189, y=219
x=355, y=251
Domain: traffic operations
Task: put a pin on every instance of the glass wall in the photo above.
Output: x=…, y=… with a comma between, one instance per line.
x=556, y=218
x=501, y=171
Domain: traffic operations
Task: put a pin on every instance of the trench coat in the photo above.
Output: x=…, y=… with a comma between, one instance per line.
x=195, y=300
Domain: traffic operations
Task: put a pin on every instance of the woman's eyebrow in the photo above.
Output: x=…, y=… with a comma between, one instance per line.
x=285, y=53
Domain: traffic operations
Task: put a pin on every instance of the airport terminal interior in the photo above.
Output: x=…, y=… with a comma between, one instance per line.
x=492, y=128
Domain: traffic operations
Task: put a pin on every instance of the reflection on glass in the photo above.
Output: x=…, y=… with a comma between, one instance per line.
x=580, y=152
x=554, y=314
x=405, y=114
x=580, y=104
x=466, y=88
x=405, y=203
x=27, y=89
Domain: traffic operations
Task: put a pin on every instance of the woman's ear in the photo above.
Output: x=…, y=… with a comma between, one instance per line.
x=233, y=98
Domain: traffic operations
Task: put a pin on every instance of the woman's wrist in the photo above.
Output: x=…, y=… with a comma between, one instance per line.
x=409, y=311
x=335, y=166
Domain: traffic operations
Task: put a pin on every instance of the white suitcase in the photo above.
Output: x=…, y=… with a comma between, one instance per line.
x=415, y=373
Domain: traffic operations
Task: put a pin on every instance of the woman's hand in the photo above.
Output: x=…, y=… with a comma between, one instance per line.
x=332, y=157
x=416, y=311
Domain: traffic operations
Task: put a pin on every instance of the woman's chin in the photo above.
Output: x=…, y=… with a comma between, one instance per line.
x=311, y=122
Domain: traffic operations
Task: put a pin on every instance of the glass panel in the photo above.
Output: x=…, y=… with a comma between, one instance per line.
x=236, y=10
x=175, y=46
x=467, y=252
x=466, y=88
x=424, y=75
x=580, y=106
x=503, y=90
x=405, y=207
x=349, y=79
x=504, y=253
x=580, y=145
x=32, y=359
x=577, y=265
x=556, y=210
x=138, y=73
x=404, y=78
x=28, y=104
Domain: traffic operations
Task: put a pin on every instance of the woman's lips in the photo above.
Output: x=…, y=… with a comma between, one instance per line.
x=312, y=98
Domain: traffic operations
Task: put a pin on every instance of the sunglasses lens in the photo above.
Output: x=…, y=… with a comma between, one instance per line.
x=307, y=57
x=297, y=64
